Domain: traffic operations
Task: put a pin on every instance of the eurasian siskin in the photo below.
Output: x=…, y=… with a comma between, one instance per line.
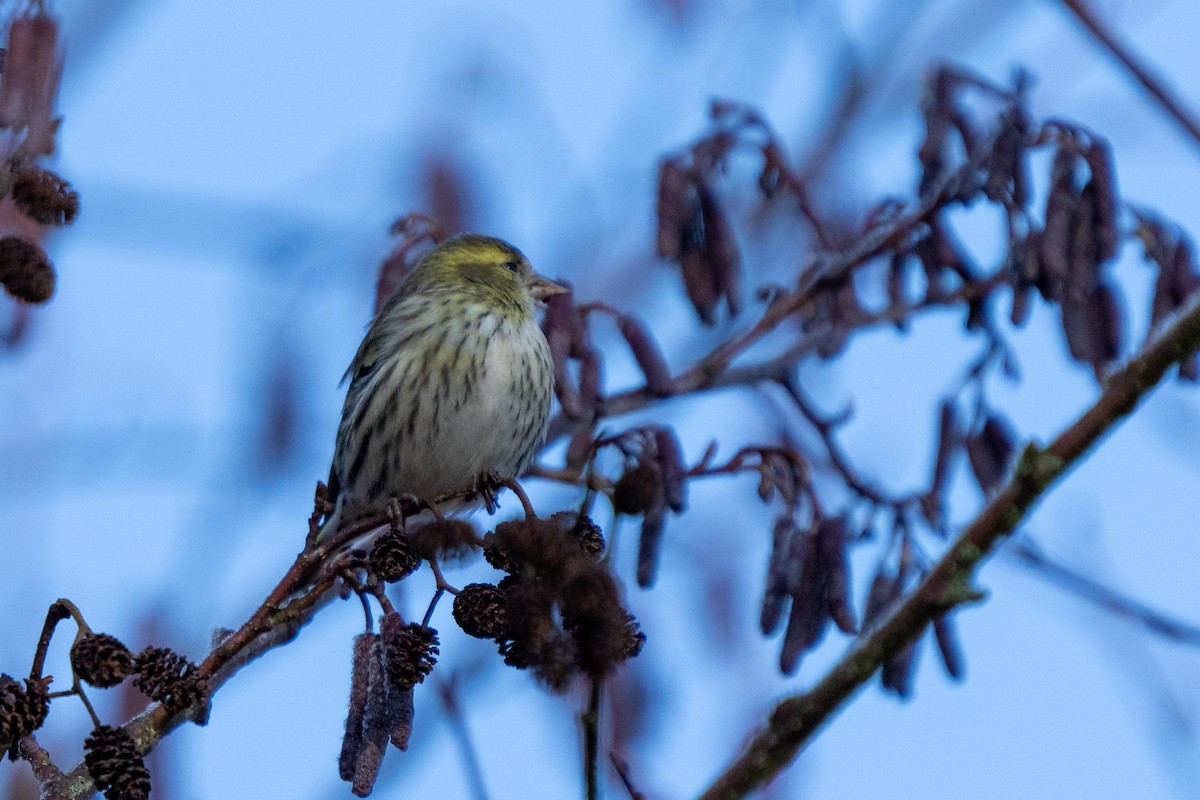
x=452, y=382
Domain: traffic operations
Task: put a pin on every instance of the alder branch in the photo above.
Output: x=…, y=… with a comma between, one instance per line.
x=304, y=589
x=714, y=371
x=1157, y=88
x=795, y=720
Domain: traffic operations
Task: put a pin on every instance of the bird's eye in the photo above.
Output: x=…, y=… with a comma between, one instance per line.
x=512, y=266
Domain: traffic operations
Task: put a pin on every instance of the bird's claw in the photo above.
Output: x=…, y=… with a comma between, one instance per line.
x=487, y=485
x=394, y=511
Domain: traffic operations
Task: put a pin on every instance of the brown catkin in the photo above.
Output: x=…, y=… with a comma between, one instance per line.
x=114, y=764
x=101, y=660
x=44, y=196
x=25, y=271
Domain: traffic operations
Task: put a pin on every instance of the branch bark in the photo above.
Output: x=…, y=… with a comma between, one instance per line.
x=796, y=720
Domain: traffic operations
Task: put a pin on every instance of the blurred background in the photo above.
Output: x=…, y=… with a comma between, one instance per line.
x=166, y=415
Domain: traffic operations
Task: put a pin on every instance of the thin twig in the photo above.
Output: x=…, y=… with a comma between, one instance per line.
x=448, y=692
x=704, y=376
x=590, y=720
x=796, y=720
x=432, y=606
x=622, y=768
x=826, y=429
x=1157, y=88
x=48, y=776
x=1107, y=598
x=59, y=610
x=519, y=491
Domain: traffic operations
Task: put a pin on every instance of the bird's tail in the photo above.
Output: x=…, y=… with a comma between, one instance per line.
x=332, y=522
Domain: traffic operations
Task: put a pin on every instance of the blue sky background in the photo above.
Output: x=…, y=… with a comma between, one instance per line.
x=239, y=165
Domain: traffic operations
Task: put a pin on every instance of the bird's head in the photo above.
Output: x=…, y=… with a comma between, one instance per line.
x=486, y=267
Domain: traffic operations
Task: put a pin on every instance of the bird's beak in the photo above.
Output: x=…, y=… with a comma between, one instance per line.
x=543, y=288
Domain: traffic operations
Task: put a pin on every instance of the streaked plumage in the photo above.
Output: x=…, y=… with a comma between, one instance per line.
x=453, y=380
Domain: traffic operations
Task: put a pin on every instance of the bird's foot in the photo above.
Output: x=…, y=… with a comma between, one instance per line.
x=394, y=511
x=487, y=486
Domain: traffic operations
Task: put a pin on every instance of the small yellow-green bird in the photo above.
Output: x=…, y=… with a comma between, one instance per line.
x=452, y=381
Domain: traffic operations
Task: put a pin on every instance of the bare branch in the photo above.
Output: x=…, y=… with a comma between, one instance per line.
x=1159, y=90
x=795, y=720
x=1107, y=598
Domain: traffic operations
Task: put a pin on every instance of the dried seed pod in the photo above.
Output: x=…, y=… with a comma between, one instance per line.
x=807, y=618
x=949, y=443
x=1184, y=277
x=648, y=355
x=448, y=538
x=22, y=711
x=948, y=647
x=1106, y=319
x=1189, y=369
x=990, y=452
x=538, y=544
x=897, y=298
x=782, y=471
x=977, y=314
x=669, y=455
x=557, y=662
x=169, y=678
x=394, y=556
x=1079, y=330
x=1084, y=256
x=447, y=192
x=769, y=178
x=1055, y=241
x=479, y=609
x=650, y=544
x=1001, y=162
x=580, y=446
x=1020, y=306
x=582, y=529
x=360, y=680
x=831, y=539
x=721, y=250
x=937, y=106
x=115, y=765
x=592, y=613
x=564, y=384
x=32, y=69
x=639, y=489
x=700, y=285
x=44, y=196
x=674, y=208
x=400, y=717
x=376, y=726
x=1103, y=184
x=1022, y=121
x=101, y=660
x=885, y=591
x=561, y=320
x=591, y=392
x=1024, y=258
x=635, y=638
x=410, y=650
x=25, y=271
x=531, y=622
x=784, y=551
x=898, y=671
